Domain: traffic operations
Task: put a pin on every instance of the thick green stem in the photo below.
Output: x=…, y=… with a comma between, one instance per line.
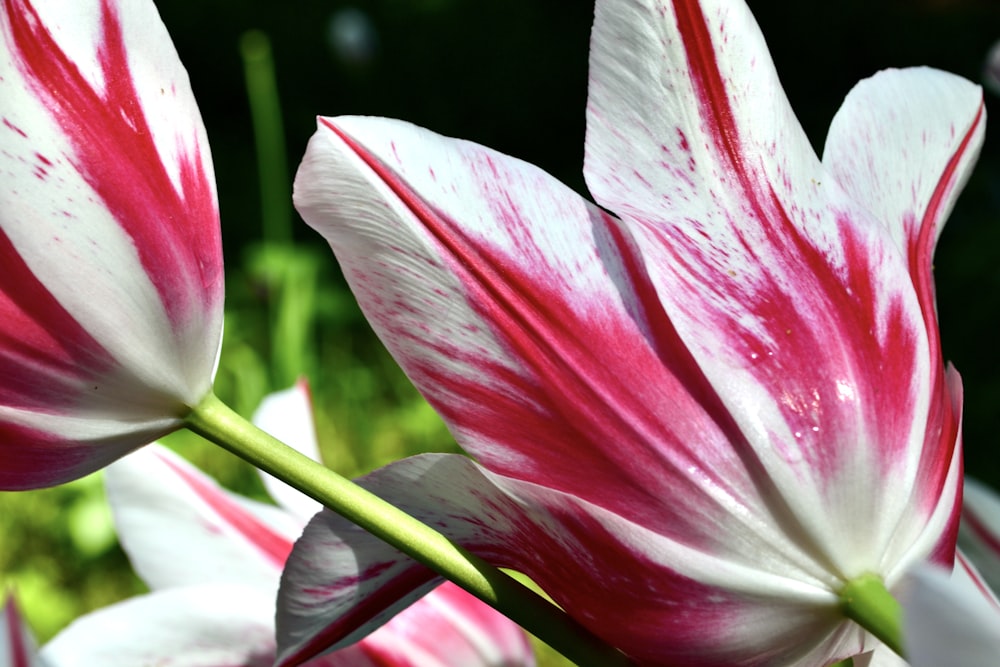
x=866, y=601
x=215, y=421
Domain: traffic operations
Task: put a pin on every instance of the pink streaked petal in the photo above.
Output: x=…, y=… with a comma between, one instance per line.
x=903, y=145
x=201, y=626
x=979, y=532
x=119, y=135
x=932, y=537
x=17, y=645
x=62, y=392
x=288, y=416
x=942, y=477
x=527, y=318
x=36, y=452
x=792, y=298
x=108, y=220
x=682, y=606
x=107, y=158
x=449, y=628
x=180, y=528
x=950, y=618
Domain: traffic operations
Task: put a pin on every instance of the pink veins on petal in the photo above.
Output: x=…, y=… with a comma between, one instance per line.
x=38, y=333
x=851, y=297
x=116, y=155
x=585, y=392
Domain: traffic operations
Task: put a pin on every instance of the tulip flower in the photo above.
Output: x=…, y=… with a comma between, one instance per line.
x=17, y=645
x=213, y=560
x=112, y=289
x=703, y=409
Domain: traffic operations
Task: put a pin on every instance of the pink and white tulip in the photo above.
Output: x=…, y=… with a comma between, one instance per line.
x=699, y=408
x=213, y=560
x=17, y=645
x=112, y=289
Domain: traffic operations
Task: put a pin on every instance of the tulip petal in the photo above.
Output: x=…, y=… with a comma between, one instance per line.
x=791, y=298
x=496, y=322
x=340, y=583
x=880, y=657
x=202, y=626
x=494, y=319
x=449, y=628
x=287, y=415
x=950, y=619
x=903, y=145
x=111, y=297
x=185, y=530
x=979, y=532
x=17, y=645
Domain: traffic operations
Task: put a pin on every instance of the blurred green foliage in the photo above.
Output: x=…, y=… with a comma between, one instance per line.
x=511, y=74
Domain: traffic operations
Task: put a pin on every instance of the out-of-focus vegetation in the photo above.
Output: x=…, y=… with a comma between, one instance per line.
x=511, y=74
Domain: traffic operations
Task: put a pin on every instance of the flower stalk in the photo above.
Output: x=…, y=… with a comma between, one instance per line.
x=866, y=601
x=216, y=422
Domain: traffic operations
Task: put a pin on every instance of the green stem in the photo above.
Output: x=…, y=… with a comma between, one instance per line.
x=867, y=602
x=215, y=421
x=269, y=136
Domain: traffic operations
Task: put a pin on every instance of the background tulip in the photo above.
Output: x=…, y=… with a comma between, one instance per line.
x=17, y=645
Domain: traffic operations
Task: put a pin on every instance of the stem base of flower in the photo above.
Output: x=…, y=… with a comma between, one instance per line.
x=866, y=601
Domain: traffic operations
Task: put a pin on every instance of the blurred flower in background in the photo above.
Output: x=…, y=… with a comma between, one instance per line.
x=954, y=618
x=17, y=645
